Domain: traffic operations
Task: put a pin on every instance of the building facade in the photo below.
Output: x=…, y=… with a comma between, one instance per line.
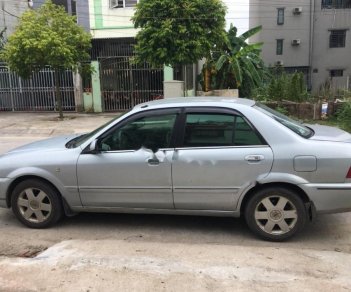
x=37, y=93
x=311, y=36
x=112, y=18
x=9, y=13
x=79, y=8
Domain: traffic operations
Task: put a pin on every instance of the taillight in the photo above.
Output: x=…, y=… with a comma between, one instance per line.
x=349, y=173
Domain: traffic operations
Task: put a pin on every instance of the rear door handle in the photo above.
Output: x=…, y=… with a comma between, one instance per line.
x=254, y=158
x=153, y=161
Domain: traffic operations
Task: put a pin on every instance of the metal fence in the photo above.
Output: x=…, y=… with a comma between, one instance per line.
x=36, y=93
x=124, y=84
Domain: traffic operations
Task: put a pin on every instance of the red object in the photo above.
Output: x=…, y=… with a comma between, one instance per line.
x=349, y=173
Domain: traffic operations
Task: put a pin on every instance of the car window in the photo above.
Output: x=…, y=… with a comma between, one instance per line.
x=152, y=132
x=293, y=125
x=244, y=134
x=208, y=130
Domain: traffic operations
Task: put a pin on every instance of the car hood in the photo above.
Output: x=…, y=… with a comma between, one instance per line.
x=56, y=143
x=327, y=133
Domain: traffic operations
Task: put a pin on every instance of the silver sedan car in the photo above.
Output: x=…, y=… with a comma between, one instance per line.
x=187, y=156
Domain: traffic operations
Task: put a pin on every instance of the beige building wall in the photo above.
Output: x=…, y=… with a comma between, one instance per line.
x=109, y=22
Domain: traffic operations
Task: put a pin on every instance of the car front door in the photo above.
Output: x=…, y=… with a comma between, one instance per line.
x=219, y=155
x=126, y=172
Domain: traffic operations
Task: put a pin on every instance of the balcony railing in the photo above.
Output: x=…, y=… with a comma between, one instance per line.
x=336, y=4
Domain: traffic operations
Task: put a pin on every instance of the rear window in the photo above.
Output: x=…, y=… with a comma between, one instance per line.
x=212, y=130
x=293, y=125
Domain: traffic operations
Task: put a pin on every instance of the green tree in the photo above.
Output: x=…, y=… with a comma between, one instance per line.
x=237, y=64
x=177, y=32
x=47, y=37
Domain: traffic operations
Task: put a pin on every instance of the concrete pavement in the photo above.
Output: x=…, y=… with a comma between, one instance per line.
x=19, y=128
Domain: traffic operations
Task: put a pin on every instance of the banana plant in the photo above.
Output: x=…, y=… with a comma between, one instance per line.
x=237, y=63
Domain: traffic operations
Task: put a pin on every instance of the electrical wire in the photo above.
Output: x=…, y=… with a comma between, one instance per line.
x=90, y=15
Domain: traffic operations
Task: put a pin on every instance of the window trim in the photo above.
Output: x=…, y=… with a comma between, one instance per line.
x=280, y=18
x=138, y=115
x=213, y=110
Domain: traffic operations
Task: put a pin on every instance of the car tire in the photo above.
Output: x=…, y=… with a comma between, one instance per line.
x=36, y=203
x=275, y=213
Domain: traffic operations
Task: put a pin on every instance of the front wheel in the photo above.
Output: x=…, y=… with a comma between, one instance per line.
x=36, y=204
x=275, y=213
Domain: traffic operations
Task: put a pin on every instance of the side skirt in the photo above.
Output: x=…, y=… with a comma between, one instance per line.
x=214, y=213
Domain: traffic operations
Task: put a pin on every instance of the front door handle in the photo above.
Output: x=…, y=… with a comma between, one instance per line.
x=153, y=161
x=254, y=158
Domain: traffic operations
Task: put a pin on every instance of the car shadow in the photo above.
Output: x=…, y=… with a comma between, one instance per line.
x=328, y=232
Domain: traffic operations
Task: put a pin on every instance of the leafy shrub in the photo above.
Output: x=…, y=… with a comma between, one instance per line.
x=344, y=115
x=282, y=110
x=283, y=86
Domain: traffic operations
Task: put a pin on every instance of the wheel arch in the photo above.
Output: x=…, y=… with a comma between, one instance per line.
x=20, y=179
x=248, y=195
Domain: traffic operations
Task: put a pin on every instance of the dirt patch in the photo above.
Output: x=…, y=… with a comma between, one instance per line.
x=26, y=252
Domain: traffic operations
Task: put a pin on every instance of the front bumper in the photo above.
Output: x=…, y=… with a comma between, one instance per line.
x=329, y=198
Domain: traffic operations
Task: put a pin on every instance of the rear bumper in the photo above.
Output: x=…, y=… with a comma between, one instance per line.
x=4, y=184
x=329, y=198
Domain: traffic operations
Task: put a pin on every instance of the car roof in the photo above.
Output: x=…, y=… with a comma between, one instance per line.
x=195, y=101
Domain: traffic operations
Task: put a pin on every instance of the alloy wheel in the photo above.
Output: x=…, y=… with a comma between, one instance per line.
x=34, y=205
x=276, y=215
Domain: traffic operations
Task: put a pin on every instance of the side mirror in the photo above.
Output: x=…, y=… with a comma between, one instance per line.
x=93, y=147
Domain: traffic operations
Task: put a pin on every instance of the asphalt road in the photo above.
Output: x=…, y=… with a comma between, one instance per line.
x=104, y=252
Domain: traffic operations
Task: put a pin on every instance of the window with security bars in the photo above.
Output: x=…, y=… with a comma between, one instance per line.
x=336, y=73
x=337, y=38
x=336, y=4
x=122, y=3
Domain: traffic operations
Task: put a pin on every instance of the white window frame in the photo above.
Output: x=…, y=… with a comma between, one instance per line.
x=120, y=4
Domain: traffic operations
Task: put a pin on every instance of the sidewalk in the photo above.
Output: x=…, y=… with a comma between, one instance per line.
x=20, y=128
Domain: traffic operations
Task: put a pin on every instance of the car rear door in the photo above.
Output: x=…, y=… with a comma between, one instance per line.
x=219, y=154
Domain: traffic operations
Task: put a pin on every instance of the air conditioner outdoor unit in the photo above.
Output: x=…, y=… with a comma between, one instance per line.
x=297, y=10
x=296, y=42
x=279, y=63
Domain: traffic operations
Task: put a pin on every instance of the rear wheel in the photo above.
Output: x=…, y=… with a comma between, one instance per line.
x=36, y=204
x=275, y=213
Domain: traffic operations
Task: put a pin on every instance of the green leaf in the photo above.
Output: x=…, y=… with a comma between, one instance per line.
x=221, y=62
x=250, y=32
x=253, y=71
x=186, y=31
x=236, y=70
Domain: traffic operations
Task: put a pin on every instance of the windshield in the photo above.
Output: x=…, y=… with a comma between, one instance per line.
x=293, y=125
x=77, y=141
